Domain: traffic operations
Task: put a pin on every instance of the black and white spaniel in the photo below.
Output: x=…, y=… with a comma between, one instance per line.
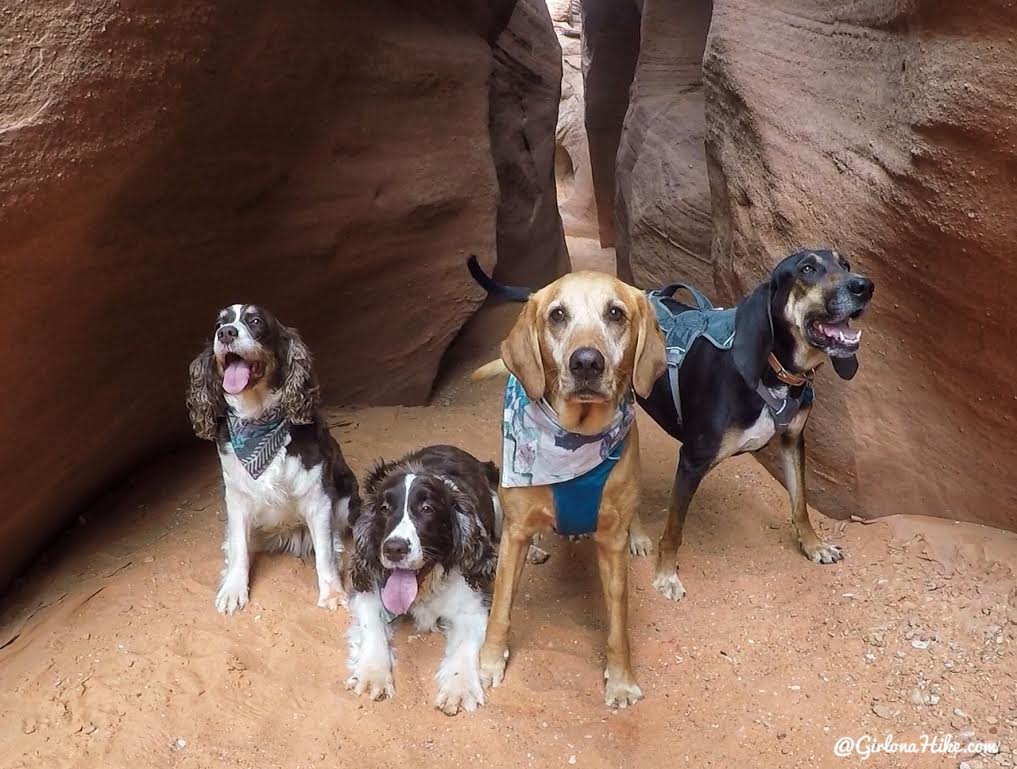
x=287, y=485
x=424, y=545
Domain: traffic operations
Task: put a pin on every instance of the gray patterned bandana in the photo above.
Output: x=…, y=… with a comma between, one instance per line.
x=257, y=441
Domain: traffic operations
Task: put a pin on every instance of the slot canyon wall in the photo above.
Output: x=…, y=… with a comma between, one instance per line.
x=336, y=161
x=885, y=129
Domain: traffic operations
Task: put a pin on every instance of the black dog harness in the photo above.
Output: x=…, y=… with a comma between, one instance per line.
x=682, y=326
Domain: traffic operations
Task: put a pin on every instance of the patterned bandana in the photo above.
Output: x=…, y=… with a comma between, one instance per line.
x=257, y=441
x=538, y=451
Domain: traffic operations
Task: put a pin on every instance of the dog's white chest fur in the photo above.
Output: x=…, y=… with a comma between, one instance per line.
x=286, y=508
x=761, y=432
x=452, y=598
x=271, y=497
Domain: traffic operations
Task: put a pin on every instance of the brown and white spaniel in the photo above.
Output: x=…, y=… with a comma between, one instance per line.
x=424, y=546
x=287, y=486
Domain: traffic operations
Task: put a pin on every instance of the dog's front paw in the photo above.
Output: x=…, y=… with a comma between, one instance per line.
x=639, y=543
x=462, y=692
x=621, y=691
x=821, y=552
x=492, y=666
x=232, y=595
x=373, y=680
x=332, y=596
x=669, y=586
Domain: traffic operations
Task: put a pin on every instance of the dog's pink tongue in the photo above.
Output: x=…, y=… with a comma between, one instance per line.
x=236, y=377
x=400, y=590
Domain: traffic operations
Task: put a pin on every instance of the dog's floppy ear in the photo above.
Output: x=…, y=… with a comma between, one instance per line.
x=206, y=404
x=753, y=340
x=651, y=358
x=845, y=367
x=521, y=352
x=300, y=391
x=472, y=550
x=365, y=523
x=365, y=560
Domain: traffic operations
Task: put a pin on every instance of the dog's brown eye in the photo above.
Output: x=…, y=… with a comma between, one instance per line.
x=616, y=314
x=385, y=507
x=557, y=315
x=426, y=508
x=255, y=321
x=807, y=268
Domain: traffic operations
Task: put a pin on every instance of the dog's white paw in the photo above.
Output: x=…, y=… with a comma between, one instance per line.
x=640, y=544
x=373, y=680
x=621, y=692
x=232, y=595
x=332, y=596
x=669, y=586
x=460, y=692
x=822, y=552
x=492, y=668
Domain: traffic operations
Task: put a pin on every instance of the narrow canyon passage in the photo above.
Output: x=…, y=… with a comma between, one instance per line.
x=339, y=161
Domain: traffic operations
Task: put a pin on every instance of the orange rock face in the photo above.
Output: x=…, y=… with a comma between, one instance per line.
x=333, y=161
x=890, y=134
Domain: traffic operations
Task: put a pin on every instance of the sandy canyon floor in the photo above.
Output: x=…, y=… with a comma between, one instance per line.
x=111, y=654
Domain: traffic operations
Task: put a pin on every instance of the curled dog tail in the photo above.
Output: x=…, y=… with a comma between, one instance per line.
x=511, y=293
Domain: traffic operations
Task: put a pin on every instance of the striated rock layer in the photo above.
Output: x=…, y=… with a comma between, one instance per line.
x=662, y=205
x=525, y=91
x=887, y=130
x=610, y=49
x=573, y=175
x=331, y=160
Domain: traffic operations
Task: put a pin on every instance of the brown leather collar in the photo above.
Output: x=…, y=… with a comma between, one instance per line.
x=789, y=377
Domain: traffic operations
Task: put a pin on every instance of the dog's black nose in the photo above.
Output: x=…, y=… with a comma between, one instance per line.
x=395, y=549
x=586, y=362
x=227, y=334
x=861, y=287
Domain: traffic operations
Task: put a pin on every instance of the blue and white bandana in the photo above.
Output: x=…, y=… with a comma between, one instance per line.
x=538, y=451
x=257, y=441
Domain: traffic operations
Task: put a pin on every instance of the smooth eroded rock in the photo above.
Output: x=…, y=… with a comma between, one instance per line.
x=525, y=91
x=887, y=131
x=610, y=49
x=662, y=205
x=330, y=160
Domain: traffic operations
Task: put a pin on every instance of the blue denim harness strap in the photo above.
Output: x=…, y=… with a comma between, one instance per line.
x=682, y=327
x=577, y=501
